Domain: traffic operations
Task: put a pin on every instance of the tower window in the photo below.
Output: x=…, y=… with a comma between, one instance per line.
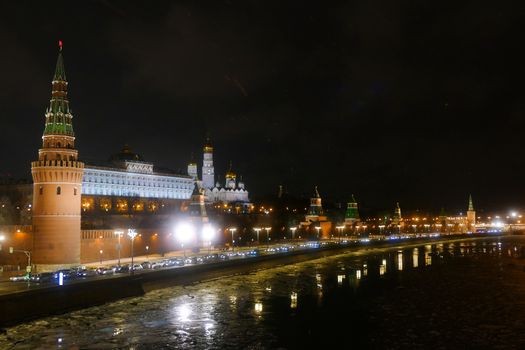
x=59, y=190
x=41, y=190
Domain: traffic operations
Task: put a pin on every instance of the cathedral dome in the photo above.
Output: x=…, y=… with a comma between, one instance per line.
x=230, y=174
x=126, y=154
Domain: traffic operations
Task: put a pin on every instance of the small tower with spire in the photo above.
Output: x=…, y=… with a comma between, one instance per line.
x=471, y=215
x=57, y=183
x=352, y=212
x=231, y=178
x=197, y=208
x=316, y=207
x=398, y=211
x=192, y=169
x=208, y=172
x=240, y=184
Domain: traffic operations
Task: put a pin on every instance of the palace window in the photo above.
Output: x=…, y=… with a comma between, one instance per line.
x=59, y=190
x=41, y=190
x=75, y=191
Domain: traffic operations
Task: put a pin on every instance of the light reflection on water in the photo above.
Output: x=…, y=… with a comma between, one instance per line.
x=244, y=311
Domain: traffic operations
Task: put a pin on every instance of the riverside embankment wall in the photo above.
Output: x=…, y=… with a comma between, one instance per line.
x=24, y=305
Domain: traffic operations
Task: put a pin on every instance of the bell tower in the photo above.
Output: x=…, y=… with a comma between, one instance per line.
x=208, y=172
x=57, y=183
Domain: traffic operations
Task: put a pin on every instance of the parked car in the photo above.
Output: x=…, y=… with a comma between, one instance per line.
x=104, y=271
x=146, y=265
x=137, y=267
x=116, y=268
x=190, y=260
x=156, y=265
x=176, y=262
x=42, y=277
x=21, y=278
x=87, y=273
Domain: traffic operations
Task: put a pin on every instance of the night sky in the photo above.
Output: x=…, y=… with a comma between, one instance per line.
x=420, y=102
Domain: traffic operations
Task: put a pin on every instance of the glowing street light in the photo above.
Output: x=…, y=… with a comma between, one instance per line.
x=232, y=230
x=184, y=233
x=2, y=238
x=208, y=234
x=132, y=234
x=257, y=230
x=318, y=228
x=268, y=229
x=293, y=231
x=340, y=228
x=119, y=234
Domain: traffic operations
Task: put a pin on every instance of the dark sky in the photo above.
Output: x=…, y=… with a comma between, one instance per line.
x=420, y=102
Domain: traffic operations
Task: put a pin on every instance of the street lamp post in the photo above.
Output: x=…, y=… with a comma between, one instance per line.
x=318, y=228
x=208, y=233
x=184, y=232
x=340, y=229
x=293, y=228
x=132, y=234
x=12, y=250
x=100, y=252
x=119, y=234
x=232, y=230
x=147, y=252
x=268, y=229
x=257, y=230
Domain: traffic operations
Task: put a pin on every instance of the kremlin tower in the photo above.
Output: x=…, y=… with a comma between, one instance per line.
x=471, y=215
x=352, y=212
x=208, y=172
x=57, y=183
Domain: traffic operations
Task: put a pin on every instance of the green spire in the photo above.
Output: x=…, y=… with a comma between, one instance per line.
x=470, y=204
x=352, y=211
x=60, y=72
x=58, y=115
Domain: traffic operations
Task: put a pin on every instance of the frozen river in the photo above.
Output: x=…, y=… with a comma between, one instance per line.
x=419, y=296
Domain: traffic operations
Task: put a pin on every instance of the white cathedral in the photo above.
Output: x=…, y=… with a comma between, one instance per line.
x=233, y=191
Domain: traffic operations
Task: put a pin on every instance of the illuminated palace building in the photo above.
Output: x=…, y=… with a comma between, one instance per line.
x=128, y=184
x=76, y=204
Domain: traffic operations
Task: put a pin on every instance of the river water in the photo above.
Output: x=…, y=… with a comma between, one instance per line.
x=419, y=296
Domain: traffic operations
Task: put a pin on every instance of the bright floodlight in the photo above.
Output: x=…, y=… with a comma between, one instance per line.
x=132, y=233
x=513, y=214
x=2, y=238
x=184, y=232
x=208, y=233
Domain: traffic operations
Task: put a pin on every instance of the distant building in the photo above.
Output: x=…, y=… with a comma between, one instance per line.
x=128, y=174
x=233, y=191
x=208, y=171
x=352, y=213
x=197, y=207
x=315, y=218
x=471, y=215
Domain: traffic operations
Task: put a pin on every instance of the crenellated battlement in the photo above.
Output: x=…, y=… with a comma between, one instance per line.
x=57, y=164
